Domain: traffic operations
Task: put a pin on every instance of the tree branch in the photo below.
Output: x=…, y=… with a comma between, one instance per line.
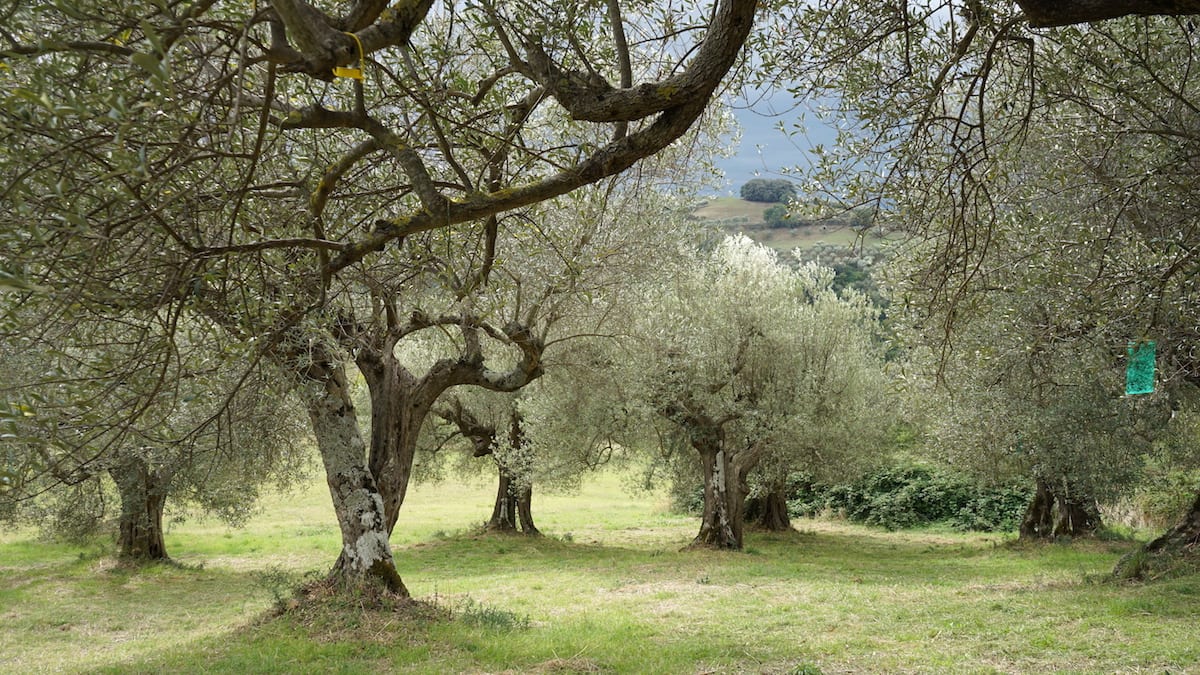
x=1048, y=13
x=73, y=46
x=589, y=98
x=607, y=161
x=482, y=436
x=320, y=39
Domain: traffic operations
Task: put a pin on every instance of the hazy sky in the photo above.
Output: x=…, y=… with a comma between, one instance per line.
x=765, y=150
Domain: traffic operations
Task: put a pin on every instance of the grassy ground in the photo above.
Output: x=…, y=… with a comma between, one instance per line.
x=739, y=215
x=608, y=591
x=784, y=240
x=732, y=208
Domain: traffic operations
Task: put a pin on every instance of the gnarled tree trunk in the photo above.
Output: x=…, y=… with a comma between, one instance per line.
x=1038, y=521
x=504, y=512
x=721, y=524
x=525, y=511
x=1077, y=516
x=1058, y=511
x=512, y=509
x=769, y=511
x=143, y=493
x=399, y=406
x=366, y=556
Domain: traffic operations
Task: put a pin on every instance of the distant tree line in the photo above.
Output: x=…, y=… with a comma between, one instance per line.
x=778, y=216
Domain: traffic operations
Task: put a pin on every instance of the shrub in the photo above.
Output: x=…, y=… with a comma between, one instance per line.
x=768, y=190
x=1165, y=493
x=997, y=509
x=777, y=217
x=910, y=496
x=687, y=498
x=479, y=615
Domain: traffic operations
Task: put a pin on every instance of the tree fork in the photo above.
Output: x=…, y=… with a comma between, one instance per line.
x=366, y=557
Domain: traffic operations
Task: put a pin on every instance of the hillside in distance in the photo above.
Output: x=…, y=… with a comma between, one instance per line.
x=734, y=215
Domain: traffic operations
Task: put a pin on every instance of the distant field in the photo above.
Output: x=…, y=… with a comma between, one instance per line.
x=725, y=208
x=747, y=218
x=608, y=591
x=785, y=240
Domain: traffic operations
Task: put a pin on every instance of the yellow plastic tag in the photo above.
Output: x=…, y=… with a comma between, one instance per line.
x=353, y=73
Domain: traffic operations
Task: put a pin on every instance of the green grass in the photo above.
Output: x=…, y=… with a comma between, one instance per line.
x=784, y=240
x=739, y=215
x=616, y=595
x=732, y=208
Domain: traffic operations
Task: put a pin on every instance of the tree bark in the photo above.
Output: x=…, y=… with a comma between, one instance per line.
x=1175, y=546
x=525, y=511
x=721, y=524
x=504, y=512
x=1046, y=13
x=1057, y=511
x=513, y=507
x=399, y=406
x=1038, y=521
x=769, y=512
x=143, y=493
x=366, y=557
x=1077, y=516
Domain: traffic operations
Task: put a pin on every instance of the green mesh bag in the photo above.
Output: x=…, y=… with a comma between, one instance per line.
x=1139, y=374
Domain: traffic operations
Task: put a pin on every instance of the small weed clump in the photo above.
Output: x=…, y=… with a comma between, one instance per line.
x=480, y=615
x=284, y=586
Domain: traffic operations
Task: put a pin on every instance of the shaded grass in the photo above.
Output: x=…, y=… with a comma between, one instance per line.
x=619, y=597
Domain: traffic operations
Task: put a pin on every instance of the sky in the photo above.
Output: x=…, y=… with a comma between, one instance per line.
x=765, y=151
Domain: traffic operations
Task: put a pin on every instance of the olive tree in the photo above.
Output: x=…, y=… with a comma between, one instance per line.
x=490, y=426
x=209, y=434
x=570, y=278
x=840, y=411
x=1035, y=151
x=753, y=363
x=223, y=162
x=497, y=428
x=1020, y=402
